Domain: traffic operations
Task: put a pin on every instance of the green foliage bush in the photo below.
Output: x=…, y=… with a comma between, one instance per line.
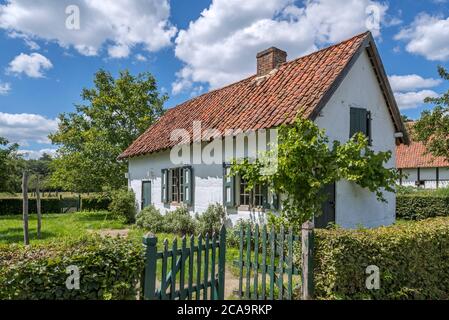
x=96, y=203
x=11, y=206
x=123, y=205
x=211, y=220
x=413, y=259
x=179, y=221
x=233, y=233
x=421, y=205
x=109, y=269
x=151, y=219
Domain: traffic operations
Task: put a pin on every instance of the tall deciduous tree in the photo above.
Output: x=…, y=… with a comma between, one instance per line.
x=9, y=166
x=304, y=162
x=115, y=113
x=432, y=129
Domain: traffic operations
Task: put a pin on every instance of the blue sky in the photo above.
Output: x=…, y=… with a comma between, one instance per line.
x=194, y=46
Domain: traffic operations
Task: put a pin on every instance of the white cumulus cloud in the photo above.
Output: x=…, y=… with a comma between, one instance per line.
x=220, y=46
x=411, y=100
x=412, y=82
x=33, y=65
x=36, y=154
x=26, y=128
x=427, y=36
x=121, y=24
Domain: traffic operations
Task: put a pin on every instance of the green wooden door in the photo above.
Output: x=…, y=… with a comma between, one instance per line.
x=146, y=194
x=328, y=208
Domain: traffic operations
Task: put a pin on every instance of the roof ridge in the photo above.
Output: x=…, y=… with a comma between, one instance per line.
x=265, y=105
x=283, y=64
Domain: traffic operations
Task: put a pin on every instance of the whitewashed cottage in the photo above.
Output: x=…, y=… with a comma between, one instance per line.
x=343, y=89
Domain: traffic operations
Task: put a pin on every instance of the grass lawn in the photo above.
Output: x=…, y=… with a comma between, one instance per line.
x=56, y=226
x=72, y=225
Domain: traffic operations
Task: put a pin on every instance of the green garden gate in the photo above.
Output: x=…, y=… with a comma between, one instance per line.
x=195, y=271
x=267, y=270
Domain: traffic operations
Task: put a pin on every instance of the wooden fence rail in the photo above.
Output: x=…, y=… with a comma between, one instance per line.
x=195, y=271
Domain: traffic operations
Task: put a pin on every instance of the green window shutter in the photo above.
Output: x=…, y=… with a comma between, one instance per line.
x=187, y=186
x=228, y=187
x=358, y=121
x=369, y=127
x=164, y=186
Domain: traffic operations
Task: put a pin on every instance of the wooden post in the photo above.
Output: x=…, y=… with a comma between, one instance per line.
x=307, y=239
x=38, y=208
x=149, y=287
x=221, y=264
x=26, y=236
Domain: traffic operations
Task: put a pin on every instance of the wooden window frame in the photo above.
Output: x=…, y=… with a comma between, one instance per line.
x=178, y=187
x=251, y=196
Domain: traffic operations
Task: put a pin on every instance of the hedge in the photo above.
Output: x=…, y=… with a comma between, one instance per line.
x=95, y=203
x=14, y=206
x=420, y=206
x=413, y=259
x=10, y=206
x=109, y=269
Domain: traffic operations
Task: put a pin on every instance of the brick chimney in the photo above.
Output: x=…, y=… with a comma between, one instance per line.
x=270, y=59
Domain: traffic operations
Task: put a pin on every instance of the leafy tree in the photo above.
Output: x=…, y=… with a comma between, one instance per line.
x=432, y=129
x=115, y=113
x=9, y=166
x=305, y=162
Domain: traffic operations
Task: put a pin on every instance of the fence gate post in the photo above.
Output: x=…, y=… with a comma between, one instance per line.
x=221, y=264
x=149, y=287
x=307, y=239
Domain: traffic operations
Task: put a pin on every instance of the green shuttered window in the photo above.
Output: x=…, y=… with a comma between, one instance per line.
x=360, y=121
x=177, y=185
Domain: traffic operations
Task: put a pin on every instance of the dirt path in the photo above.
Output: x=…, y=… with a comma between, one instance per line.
x=231, y=284
x=112, y=232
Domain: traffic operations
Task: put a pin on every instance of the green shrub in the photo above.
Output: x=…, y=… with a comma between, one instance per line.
x=123, y=205
x=233, y=233
x=211, y=220
x=151, y=219
x=96, y=203
x=421, y=205
x=413, y=259
x=179, y=221
x=109, y=269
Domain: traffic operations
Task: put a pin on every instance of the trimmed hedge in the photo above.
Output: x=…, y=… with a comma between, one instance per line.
x=413, y=259
x=420, y=206
x=11, y=206
x=109, y=269
x=95, y=203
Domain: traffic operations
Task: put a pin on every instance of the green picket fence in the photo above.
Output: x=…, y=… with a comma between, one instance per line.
x=266, y=269
x=195, y=271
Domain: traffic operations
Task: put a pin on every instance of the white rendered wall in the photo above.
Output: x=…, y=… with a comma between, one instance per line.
x=207, y=183
x=356, y=206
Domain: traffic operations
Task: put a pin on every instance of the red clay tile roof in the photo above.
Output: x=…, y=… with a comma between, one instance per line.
x=259, y=103
x=414, y=156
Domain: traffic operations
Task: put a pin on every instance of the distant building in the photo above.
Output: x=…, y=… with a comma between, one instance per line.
x=422, y=169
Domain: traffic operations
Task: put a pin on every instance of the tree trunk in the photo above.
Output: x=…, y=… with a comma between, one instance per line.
x=38, y=206
x=26, y=236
